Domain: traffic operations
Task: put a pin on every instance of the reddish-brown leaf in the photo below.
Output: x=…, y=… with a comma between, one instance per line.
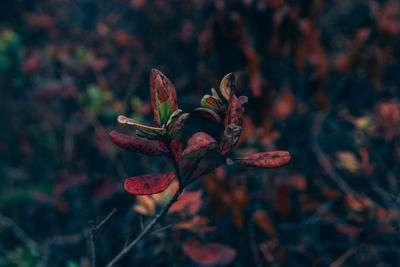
x=263, y=221
x=198, y=145
x=177, y=147
x=264, y=159
x=348, y=229
x=228, y=254
x=134, y=144
x=234, y=113
x=148, y=184
x=199, y=253
x=190, y=201
x=160, y=85
x=178, y=128
x=153, y=77
x=207, y=114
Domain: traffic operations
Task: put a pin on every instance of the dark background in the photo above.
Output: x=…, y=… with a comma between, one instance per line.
x=322, y=79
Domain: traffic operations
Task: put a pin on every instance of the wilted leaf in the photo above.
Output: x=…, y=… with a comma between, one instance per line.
x=148, y=184
x=207, y=114
x=134, y=144
x=228, y=86
x=198, y=145
x=199, y=253
x=264, y=159
x=150, y=132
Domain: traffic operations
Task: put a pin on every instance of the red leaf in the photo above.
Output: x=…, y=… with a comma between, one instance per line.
x=234, y=113
x=348, y=229
x=190, y=201
x=264, y=159
x=178, y=128
x=228, y=254
x=148, y=184
x=177, y=148
x=199, y=253
x=159, y=82
x=134, y=144
x=207, y=114
x=198, y=145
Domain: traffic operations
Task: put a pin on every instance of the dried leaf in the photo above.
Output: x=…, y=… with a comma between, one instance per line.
x=134, y=144
x=198, y=145
x=264, y=159
x=148, y=184
x=150, y=132
x=228, y=86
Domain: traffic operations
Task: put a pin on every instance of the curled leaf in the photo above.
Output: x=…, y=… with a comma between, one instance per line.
x=212, y=102
x=264, y=159
x=207, y=114
x=228, y=86
x=172, y=120
x=148, y=184
x=230, y=137
x=150, y=132
x=198, y=145
x=134, y=144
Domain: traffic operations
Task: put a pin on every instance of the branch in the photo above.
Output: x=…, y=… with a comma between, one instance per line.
x=93, y=229
x=147, y=229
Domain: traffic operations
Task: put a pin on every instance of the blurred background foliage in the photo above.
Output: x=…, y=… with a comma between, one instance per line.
x=322, y=77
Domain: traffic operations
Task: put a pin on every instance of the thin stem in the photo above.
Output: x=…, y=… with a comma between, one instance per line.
x=147, y=229
x=93, y=229
x=105, y=219
x=176, y=164
x=92, y=245
x=192, y=169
